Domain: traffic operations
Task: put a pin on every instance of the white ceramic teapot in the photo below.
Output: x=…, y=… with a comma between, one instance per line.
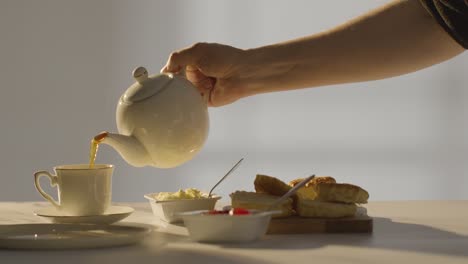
x=162, y=121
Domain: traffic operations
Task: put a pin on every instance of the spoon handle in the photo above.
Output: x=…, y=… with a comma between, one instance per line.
x=224, y=177
x=291, y=192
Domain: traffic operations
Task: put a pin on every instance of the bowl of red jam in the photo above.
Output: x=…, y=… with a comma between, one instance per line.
x=227, y=224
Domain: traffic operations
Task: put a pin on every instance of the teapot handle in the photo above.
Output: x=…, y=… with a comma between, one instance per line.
x=206, y=97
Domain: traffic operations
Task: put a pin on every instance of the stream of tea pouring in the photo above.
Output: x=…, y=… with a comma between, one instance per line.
x=94, y=148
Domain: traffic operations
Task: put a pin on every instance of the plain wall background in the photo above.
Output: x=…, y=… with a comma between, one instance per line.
x=64, y=64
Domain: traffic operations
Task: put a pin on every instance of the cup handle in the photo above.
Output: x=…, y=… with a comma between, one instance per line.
x=53, y=182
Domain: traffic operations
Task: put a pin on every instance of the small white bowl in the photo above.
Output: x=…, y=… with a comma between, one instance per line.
x=226, y=228
x=167, y=210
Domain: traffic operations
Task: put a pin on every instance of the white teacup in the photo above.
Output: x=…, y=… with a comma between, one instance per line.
x=81, y=190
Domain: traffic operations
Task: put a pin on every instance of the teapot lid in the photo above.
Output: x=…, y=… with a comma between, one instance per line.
x=145, y=86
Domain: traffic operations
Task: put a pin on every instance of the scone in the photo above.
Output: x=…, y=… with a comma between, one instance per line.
x=310, y=208
x=260, y=201
x=307, y=192
x=315, y=180
x=340, y=192
x=270, y=185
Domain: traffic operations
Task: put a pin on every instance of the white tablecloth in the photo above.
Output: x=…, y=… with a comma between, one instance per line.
x=404, y=232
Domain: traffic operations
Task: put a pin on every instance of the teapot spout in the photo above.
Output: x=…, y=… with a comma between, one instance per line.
x=131, y=150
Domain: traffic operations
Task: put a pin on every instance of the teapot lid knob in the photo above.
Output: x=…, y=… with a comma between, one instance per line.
x=140, y=74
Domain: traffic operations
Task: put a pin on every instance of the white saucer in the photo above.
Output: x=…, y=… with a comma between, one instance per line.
x=68, y=236
x=112, y=215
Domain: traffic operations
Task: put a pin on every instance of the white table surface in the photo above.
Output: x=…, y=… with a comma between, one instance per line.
x=404, y=232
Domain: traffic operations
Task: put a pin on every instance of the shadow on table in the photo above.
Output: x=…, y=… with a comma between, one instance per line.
x=387, y=235
x=133, y=256
x=156, y=248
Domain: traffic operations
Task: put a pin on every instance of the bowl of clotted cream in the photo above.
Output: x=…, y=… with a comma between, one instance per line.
x=167, y=205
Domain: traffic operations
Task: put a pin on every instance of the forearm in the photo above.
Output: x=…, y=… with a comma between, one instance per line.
x=396, y=39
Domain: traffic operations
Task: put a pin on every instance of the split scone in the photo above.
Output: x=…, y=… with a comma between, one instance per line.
x=311, y=208
x=260, y=201
x=307, y=192
x=340, y=192
x=327, y=190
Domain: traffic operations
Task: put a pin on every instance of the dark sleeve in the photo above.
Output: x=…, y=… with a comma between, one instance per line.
x=452, y=15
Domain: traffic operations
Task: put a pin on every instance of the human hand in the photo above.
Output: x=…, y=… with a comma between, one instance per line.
x=213, y=68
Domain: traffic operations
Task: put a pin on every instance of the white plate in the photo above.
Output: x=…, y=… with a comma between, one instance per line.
x=68, y=236
x=112, y=215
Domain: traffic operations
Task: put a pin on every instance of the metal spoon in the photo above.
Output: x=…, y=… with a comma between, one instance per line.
x=225, y=176
x=290, y=192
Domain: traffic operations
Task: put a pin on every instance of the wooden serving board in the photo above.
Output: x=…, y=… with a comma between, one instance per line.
x=304, y=225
